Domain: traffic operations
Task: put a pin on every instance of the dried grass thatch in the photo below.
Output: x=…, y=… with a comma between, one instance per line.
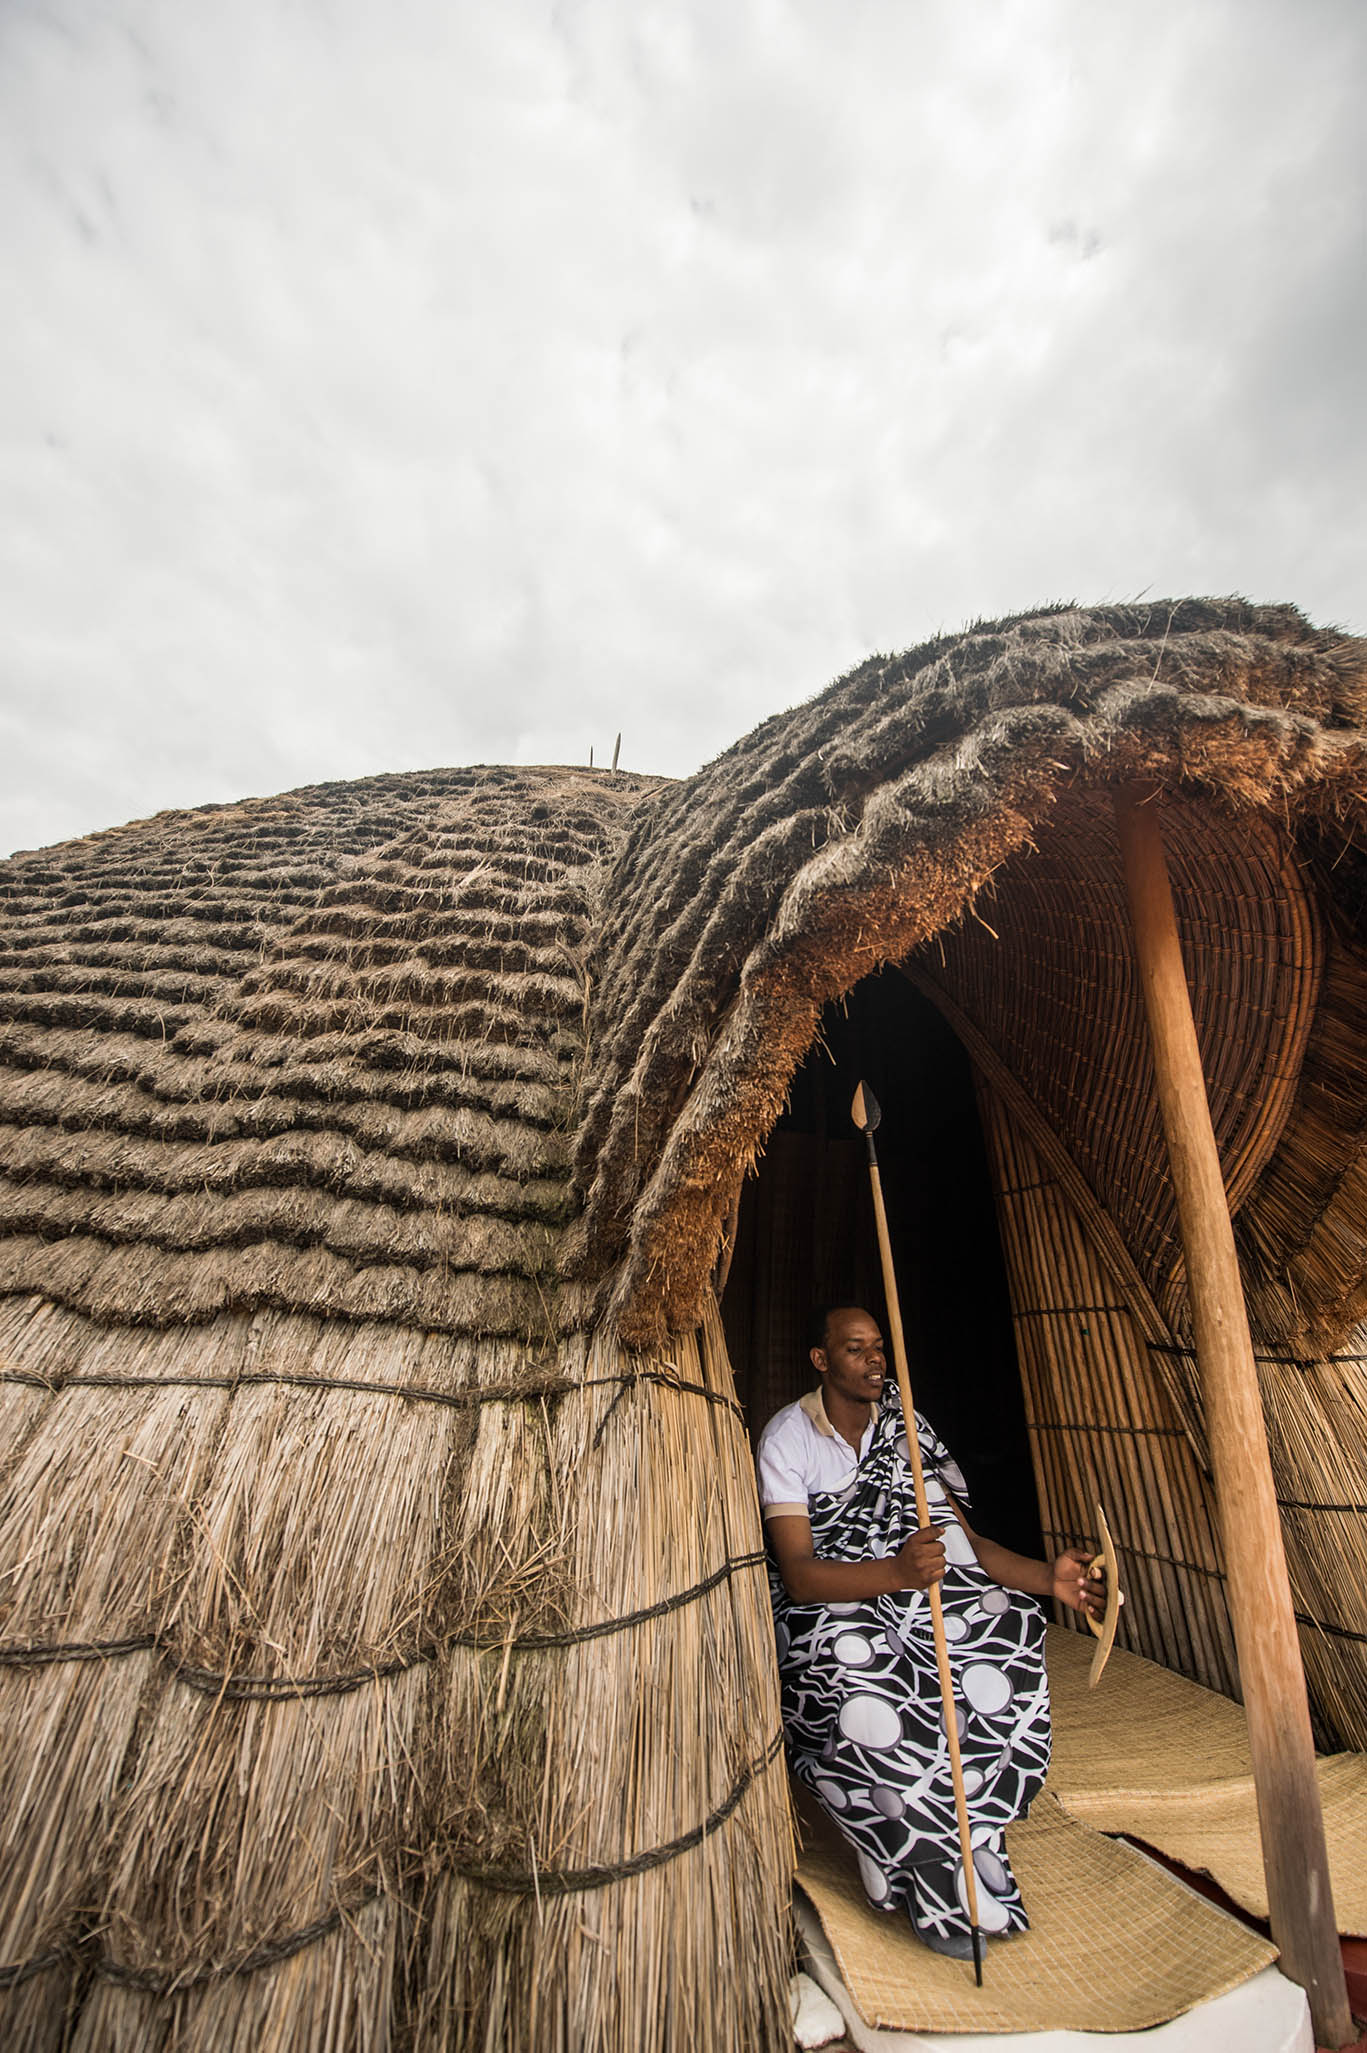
x=385, y=1654
x=366, y=1686
x=318, y=1052
x=848, y=834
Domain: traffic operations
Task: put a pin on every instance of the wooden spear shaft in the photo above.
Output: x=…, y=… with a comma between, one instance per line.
x=1294, y=1857
x=865, y=1115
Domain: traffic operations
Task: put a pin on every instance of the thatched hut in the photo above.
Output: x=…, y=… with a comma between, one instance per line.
x=386, y=1655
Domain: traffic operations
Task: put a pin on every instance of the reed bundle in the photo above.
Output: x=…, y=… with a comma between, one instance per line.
x=417, y=1691
x=381, y=1657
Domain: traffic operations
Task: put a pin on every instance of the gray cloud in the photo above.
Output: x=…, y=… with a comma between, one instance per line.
x=437, y=384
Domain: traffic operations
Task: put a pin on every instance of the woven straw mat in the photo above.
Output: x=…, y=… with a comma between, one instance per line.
x=1151, y=1754
x=1115, y=1945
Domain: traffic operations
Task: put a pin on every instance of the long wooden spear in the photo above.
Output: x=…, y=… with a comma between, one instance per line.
x=866, y=1115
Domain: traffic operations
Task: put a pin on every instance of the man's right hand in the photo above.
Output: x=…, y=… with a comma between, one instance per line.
x=921, y=1559
x=918, y=1563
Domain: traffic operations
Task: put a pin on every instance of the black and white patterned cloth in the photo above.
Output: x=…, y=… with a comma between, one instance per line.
x=861, y=1695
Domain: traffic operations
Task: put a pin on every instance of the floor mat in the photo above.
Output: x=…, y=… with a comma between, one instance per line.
x=1115, y=1944
x=1151, y=1754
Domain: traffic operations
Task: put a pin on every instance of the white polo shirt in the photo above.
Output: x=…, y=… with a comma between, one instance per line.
x=800, y=1455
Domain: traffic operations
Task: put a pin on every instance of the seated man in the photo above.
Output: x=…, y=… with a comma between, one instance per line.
x=861, y=1695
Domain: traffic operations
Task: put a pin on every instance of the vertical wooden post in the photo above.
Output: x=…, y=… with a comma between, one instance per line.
x=1294, y=1856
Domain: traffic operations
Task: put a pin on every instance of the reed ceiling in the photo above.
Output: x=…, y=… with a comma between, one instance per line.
x=1043, y=973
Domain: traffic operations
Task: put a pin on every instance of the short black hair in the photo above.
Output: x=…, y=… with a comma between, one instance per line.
x=821, y=1316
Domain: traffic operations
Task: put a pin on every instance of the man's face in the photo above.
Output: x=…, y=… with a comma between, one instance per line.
x=853, y=1358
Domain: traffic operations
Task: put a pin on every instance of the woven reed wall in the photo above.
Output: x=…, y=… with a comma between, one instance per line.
x=1300, y=1236
x=1316, y=1414
x=329, y=1716
x=1102, y=1427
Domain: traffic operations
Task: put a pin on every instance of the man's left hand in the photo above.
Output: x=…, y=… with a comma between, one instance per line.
x=1075, y=1586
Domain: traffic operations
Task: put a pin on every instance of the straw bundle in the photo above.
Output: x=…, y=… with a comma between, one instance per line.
x=333, y=1714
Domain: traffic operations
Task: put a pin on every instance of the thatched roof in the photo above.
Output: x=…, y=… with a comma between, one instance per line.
x=315, y=1052
x=384, y=1649
x=859, y=828
x=338, y=1051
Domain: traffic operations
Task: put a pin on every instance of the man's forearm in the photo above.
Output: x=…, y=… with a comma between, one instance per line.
x=1014, y=1571
x=840, y=1582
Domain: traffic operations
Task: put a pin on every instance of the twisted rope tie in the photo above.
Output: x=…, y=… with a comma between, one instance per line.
x=415, y=1393
x=566, y=1881
x=20, y=1654
x=506, y=1881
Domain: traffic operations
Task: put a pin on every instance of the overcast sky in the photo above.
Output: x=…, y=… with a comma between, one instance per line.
x=449, y=381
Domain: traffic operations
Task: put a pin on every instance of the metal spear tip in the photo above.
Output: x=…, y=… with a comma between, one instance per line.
x=864, y=1111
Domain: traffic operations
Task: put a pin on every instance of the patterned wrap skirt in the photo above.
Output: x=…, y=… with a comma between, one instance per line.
x=862, y=1715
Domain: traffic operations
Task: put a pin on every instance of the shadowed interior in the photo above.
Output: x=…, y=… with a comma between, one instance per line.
x=805, y=1235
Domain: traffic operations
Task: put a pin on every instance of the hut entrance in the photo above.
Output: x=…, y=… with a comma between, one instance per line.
x=805, y=1233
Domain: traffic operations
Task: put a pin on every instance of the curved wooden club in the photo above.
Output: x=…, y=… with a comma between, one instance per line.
x=1105, y=1628
x=866, y=1115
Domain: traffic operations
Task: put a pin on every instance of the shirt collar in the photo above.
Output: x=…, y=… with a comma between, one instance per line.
x=814, y=1404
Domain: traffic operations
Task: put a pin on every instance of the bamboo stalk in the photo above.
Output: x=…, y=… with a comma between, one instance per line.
x=1294, y=1856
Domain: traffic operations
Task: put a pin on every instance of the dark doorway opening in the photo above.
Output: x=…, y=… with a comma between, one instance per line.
x=805, y=1234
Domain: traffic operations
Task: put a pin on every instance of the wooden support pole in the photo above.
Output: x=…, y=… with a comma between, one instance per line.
x=1294, y=1857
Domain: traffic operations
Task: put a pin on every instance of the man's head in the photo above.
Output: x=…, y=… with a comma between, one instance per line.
x=847, y=1352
